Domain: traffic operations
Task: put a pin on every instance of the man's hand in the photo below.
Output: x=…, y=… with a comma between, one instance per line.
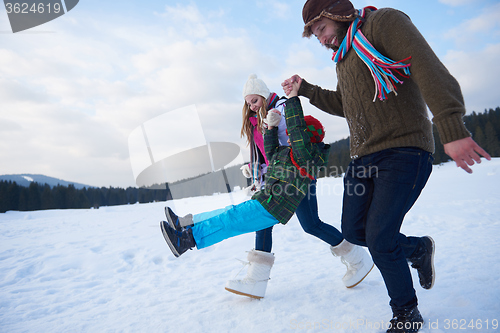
x=291, y=86
x=464, y=152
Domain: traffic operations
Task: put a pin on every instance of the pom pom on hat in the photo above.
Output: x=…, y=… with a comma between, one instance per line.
x=315, y=129
x=255, y=86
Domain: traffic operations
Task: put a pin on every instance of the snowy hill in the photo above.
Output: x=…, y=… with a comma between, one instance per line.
x=109, y=270
x=27, y=179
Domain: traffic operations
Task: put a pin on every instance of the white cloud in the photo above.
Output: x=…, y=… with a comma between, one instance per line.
x=7, y=125
x=275, y=9
x=484, y=28
x=73, y=100
x=69, y=99
x=456, y=3
x=186, y=21
x=474, y=62
x=479, y=76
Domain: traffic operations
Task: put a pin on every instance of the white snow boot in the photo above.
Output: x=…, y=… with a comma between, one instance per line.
x=255, y=283
x=358, y=261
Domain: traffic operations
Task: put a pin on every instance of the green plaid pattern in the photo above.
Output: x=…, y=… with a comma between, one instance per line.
x=285, y=186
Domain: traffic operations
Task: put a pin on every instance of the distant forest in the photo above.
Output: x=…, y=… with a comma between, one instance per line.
x=484, y=127
x=43, y=196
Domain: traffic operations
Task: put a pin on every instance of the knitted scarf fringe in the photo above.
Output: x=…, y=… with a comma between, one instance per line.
x=381, y=68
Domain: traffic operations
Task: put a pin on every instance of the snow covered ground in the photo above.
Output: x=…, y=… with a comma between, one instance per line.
x=109, y=270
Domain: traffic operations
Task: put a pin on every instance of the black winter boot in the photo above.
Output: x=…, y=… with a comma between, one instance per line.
x=176, y=222
x=406, y=321
x=178, y=241
x=424, y=262
x=173, y=219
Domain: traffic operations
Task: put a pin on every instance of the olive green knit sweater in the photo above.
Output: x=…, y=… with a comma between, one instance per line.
x=397, y=121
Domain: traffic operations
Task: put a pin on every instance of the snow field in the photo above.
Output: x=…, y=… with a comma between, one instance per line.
x=109, y=269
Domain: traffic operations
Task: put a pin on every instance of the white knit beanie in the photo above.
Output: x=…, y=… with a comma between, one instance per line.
x=255, y=86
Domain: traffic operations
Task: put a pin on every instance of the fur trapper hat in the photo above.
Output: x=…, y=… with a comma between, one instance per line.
x=336, y=10
x=255, y=86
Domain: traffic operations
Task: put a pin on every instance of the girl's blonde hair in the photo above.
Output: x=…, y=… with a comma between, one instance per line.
x=246, y=128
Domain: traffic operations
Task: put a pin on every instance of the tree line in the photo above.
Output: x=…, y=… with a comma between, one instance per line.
x=484, y=127
x=43, y=196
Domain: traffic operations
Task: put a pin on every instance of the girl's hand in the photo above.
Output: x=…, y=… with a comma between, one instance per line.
x=245, y=170
x=273, y=118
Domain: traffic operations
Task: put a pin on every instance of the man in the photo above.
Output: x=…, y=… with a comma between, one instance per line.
x=387, y=76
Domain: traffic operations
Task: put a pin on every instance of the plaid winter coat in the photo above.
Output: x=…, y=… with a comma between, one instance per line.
x=285, y=185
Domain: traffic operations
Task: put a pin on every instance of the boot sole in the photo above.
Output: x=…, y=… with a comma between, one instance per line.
x=354, y=285
x=432, y=262
x=242, y=294
x=167, y=239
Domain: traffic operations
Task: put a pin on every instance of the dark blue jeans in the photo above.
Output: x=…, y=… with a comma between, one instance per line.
x=379, y=189
x=307, y=214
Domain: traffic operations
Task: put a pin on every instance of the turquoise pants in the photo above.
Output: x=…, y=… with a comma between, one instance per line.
x=215, y=226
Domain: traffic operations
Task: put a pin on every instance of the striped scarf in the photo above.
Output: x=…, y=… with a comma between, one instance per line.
x=272, y=99
x=381, y=67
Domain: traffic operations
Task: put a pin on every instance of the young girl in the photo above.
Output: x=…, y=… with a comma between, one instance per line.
x=258, y=101
x=262, y=106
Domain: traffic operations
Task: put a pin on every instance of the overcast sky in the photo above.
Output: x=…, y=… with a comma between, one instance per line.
x=74, y=89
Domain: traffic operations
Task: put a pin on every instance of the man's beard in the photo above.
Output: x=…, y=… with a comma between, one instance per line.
x=341, y=33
